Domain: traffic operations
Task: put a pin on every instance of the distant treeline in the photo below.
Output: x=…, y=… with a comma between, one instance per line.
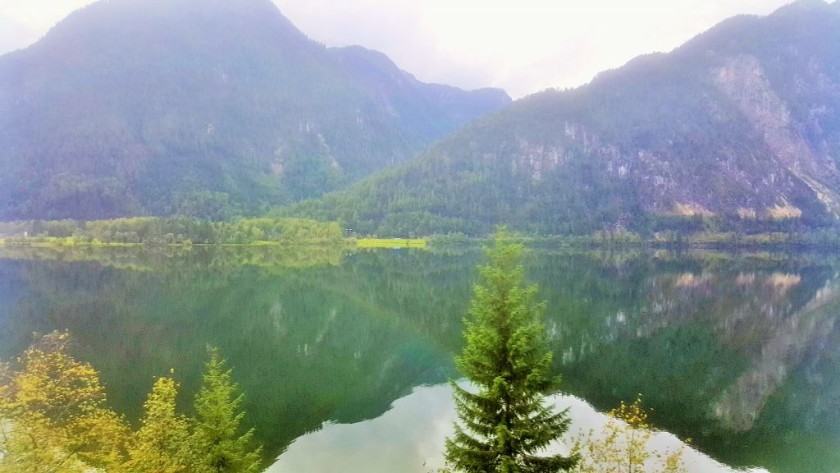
x=171, y=231
x=685, y=231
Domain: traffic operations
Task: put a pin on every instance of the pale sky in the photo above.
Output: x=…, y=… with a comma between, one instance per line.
x=522, y=46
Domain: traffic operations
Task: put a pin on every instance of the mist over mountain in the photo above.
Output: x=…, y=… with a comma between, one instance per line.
x=203, y=108
x=740, y=124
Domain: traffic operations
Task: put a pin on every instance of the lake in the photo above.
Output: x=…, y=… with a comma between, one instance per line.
x=339, y=353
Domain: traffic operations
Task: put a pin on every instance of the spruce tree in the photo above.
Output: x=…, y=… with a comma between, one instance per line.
x=219, y=447
x=505, y=425
x=162, y=443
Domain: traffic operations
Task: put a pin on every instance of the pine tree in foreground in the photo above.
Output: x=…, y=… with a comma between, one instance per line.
x=505, y=425
x=218, y=446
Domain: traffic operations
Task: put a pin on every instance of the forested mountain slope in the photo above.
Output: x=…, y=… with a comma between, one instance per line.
x=203, y=108
x=740, y=124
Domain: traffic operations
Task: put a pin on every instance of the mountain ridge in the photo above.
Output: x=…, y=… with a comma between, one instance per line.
x=201, y=108
x=740, y=124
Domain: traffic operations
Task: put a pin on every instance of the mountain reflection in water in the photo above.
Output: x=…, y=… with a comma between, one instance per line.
x=737, y=351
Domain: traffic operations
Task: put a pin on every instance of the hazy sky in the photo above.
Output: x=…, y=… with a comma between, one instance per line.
x=522, y=46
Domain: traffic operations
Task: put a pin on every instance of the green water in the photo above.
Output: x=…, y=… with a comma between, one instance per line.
x=740, y=352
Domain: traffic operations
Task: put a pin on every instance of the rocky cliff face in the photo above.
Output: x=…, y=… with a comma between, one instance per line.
x=793, y=159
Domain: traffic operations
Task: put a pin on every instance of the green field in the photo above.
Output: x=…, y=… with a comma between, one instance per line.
x=391, y=243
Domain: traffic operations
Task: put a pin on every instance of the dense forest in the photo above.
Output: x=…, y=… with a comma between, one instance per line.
x=169, y=231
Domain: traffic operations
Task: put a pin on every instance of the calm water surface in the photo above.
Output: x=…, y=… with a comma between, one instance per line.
x=339, y=353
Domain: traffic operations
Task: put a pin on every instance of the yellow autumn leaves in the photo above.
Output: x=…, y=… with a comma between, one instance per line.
x=54, y=415
x=54, y=418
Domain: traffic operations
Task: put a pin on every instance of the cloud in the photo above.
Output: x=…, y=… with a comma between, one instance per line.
x=24, y=22
x=14, y=35
x=39, y=15
x=522, y=46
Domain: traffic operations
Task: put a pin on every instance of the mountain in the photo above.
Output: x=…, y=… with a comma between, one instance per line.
x=203, y=107
x=740, y=126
